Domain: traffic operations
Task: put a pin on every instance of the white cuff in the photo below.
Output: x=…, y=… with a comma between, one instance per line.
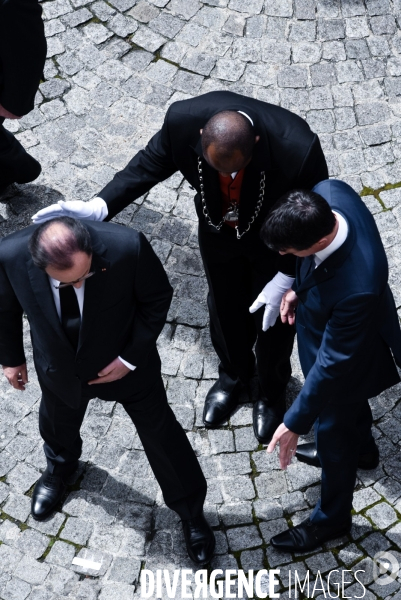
x=284, y=281
x=127, y=364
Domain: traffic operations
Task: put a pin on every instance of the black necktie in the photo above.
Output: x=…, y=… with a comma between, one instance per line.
x=70, y=314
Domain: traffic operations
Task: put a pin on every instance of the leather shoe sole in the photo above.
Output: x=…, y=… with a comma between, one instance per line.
x=307, y=453
x=307, y=536
x=47, y=493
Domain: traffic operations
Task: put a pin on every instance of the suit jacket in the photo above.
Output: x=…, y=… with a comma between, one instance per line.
x=125, y=307
x=288, y=152
x=346, y=321
x=22, y=54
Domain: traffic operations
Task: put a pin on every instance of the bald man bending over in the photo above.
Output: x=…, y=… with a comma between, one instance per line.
x=240, y=155
x=96, y=298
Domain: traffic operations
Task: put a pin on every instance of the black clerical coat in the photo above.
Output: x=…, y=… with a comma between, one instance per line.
x=288, y=152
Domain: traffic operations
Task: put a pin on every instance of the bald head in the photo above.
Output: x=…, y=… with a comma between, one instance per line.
x=56, y=243
x=228, y=139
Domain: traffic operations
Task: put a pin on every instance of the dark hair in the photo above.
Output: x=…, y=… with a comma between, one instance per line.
x=57, y=251
x=229, y=131
x=298, y=220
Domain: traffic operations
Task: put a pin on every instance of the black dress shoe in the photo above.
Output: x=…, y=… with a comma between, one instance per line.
x=266, y=418
x=308, y=536
x=199, y=539
x=48, y=492
x=221, y=401
x=307, y=454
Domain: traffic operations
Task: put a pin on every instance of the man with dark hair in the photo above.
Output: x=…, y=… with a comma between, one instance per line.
x=96, y=298
x=240, y=155
x=348, y=336
x=22, y=58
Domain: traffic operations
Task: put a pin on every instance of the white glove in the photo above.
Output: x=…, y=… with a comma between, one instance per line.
x=271, y=296
x=94, y=210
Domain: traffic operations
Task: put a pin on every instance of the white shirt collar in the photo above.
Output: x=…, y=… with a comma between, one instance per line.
x=338, y=241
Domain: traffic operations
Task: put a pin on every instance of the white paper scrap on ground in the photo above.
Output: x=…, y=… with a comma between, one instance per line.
x=87, y=564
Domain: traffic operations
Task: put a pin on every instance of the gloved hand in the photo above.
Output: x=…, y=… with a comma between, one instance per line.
x=271, y=296
x=94, y=210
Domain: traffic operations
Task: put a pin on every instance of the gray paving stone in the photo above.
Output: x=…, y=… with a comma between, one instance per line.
x=18, y=507
x=31, y=571
x=198, y=62
x=77, y=530
x=49, y=527
x=61, y=554
x=7, y=462
x=238, y=488
x=376, y=542
x=16, y=590
x=221, y=441
x=322, y=562
x=276, y=558
x=9, y=532
x=271, y=485
x=350, y=554
x=22, y=477
x=239, y=513
x=271, y=528
x=32, y=543
x=124, y=570
x=106, y=538
x=245, y=439
x=240, y=538
x=394, y=534
x=77, y=17
x=117, y=591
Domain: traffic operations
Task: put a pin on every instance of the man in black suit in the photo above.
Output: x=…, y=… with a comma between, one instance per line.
x=96, y=299
x=240, y=155
x=349, y=342
x=22, y=58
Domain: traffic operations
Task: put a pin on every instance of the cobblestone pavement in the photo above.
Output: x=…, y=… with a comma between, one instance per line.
x=113, y=68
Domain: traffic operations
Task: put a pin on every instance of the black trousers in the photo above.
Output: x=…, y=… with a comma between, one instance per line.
x=237, y=271
x=167, y=448
x=341, y=434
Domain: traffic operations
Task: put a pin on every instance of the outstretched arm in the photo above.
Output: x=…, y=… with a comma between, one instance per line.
x=150, y=166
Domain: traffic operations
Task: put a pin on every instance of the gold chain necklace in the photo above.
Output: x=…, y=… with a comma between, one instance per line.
x=262, y=186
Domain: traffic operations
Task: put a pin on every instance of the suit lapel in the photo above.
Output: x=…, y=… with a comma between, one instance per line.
x=41, y=288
